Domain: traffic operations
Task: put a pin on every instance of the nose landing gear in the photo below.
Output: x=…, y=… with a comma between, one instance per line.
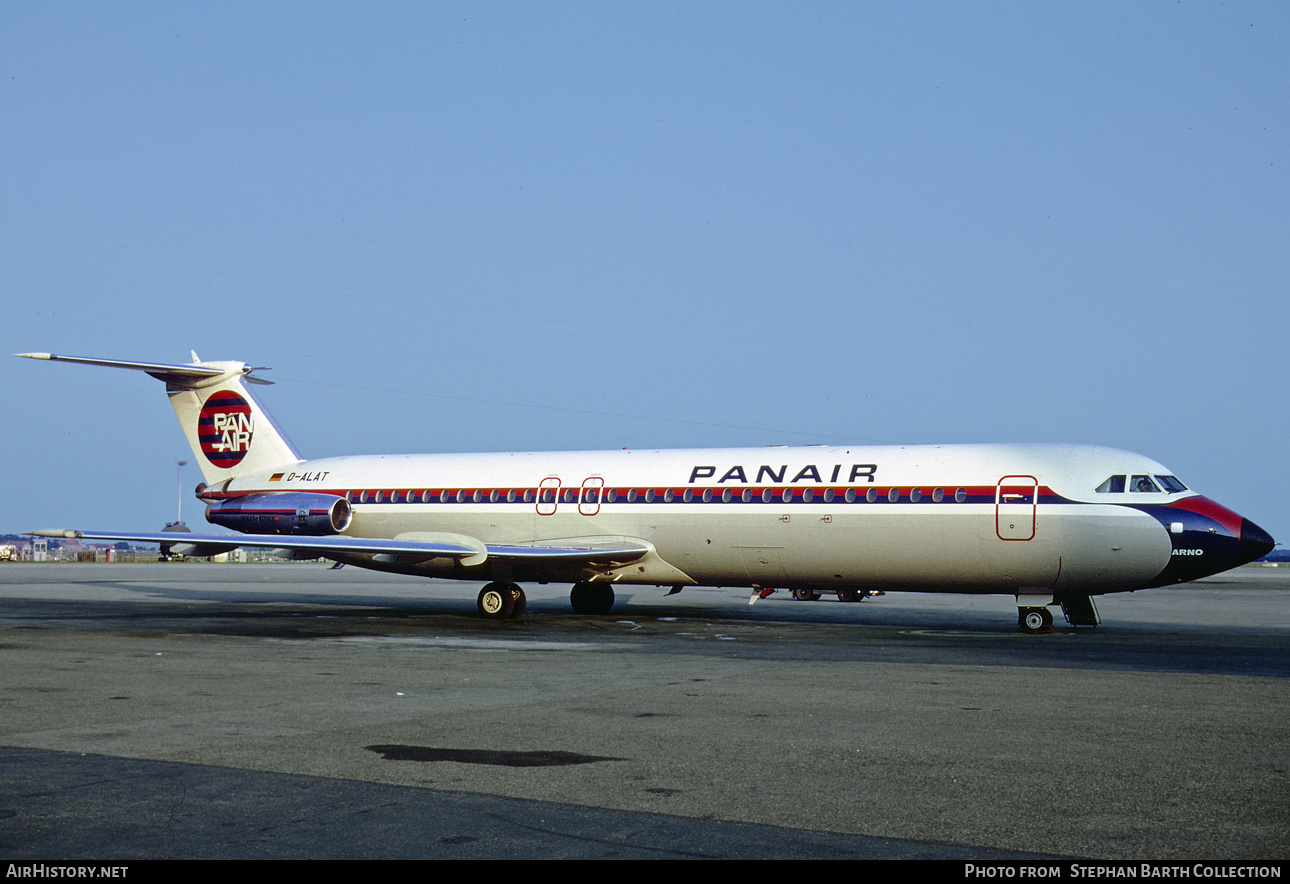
x=1034, y=620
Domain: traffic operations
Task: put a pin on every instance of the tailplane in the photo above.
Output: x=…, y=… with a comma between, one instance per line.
x=229, y=431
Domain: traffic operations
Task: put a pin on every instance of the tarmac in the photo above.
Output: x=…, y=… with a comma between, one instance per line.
x=193, y=711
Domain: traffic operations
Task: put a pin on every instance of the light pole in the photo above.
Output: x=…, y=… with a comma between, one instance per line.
x=179, y=515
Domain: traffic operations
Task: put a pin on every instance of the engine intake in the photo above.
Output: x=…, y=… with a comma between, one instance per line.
x=282, y=512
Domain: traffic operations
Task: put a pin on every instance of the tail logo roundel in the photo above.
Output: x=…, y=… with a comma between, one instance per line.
x=225, y=428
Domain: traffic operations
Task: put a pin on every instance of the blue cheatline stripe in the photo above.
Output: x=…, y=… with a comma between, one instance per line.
x=709, y=496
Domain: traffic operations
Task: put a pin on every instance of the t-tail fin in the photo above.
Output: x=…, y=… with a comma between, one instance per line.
x=230, y=432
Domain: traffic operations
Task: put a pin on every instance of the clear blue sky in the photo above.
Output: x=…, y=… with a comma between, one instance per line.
x=498, y=226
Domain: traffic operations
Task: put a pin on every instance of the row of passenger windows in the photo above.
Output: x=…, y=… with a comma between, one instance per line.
x=647, y=495
x=1141, y=484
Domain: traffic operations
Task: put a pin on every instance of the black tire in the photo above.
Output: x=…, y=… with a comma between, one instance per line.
x=496, y=601
x=592, y=598
x=1036, y=619
x=848, y=595
x=519, y=602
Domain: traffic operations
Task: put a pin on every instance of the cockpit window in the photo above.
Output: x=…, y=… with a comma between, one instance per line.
x=1113, y=485
x=1144, y=485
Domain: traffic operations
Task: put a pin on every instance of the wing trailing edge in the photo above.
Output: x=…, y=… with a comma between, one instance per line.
x=599, y=552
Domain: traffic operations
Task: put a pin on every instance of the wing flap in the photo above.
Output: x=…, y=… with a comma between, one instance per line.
x=591, y=551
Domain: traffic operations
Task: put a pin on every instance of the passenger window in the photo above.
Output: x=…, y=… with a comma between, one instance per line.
x=1144, y=485
x=1113, y=485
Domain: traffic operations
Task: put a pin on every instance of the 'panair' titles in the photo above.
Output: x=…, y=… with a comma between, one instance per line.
x=225, y=427
x=768, y=475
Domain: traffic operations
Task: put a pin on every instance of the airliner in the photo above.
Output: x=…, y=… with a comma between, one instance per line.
x=1047, y=524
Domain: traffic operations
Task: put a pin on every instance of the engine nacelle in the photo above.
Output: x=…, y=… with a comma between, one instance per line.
x=282, y=512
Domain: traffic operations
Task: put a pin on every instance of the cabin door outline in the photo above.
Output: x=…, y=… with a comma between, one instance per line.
x=1016, y=507
x=548, y=496
x=589, y=496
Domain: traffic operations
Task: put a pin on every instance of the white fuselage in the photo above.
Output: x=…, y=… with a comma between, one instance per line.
x=957, y=518
x=1043, y=522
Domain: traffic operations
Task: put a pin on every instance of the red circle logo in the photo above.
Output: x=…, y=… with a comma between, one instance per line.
x=225, y=427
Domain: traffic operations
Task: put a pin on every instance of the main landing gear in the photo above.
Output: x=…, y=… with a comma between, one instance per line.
x=503, y=601
x=500, y=601
x=592, y=598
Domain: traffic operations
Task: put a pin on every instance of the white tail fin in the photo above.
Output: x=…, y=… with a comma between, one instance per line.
x=230, y=432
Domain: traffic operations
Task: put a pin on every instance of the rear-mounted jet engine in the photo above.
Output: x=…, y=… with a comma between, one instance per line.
x=282, y=512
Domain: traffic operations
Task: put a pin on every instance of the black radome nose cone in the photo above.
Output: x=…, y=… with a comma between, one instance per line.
x=1255, y=542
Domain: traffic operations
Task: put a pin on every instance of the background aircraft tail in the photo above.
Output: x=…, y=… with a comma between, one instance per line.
x=229, y=431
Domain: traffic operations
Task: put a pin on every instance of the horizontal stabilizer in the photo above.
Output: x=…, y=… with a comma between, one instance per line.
x=227, y=428
x=175, y=374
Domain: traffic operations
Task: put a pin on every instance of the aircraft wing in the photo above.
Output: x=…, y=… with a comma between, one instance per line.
x=591, y=551
x=617, y=551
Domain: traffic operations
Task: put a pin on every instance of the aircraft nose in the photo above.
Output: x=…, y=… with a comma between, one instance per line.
x=1255, y=542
